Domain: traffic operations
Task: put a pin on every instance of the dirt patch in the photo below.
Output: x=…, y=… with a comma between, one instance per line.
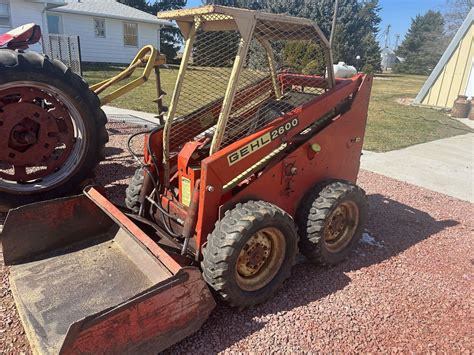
x=405, y=101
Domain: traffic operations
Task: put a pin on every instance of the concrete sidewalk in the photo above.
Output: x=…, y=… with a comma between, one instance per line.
x=130, y=116
x=445, y=165
x=465, y=121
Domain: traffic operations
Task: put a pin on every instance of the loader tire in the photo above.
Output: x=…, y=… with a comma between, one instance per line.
x=43, y=95
x=250, y=253
x=331, y=219
x=132, y=193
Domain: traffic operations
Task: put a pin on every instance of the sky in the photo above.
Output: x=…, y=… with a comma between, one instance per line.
x=397, y=13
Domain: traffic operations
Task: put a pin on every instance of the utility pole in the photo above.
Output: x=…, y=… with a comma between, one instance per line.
x=334, y=21
x=387, y=36
x=331, y=77
x=397, y=40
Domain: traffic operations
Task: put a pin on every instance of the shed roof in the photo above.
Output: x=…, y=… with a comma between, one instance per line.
x=387, y=50
x=109, y=9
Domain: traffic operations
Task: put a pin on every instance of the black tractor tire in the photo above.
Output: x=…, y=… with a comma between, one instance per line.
x=322, y=205
x=132, y=193
x=231, y=238
x=17, y=66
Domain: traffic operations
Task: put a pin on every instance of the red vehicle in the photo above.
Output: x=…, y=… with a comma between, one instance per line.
x=258, y=157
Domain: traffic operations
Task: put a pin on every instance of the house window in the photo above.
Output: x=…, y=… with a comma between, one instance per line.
x=55, y=23
x=4, y=14
x=99, y=27
x=130, y=34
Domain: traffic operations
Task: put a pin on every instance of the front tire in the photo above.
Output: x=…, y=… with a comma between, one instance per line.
x=250, y=253
x=331, y=219
x=133, y=191
x=52, y=129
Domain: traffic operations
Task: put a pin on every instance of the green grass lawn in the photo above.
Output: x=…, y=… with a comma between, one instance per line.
x=391, y=125
x=140, y=99
x=196, y=95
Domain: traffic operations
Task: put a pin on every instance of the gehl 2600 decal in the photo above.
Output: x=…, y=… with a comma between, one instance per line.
x=260, y=142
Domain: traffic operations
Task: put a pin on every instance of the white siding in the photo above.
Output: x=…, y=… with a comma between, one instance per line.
x=111, y=48
x=23, y=13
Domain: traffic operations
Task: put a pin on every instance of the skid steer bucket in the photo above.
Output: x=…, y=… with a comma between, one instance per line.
x=86, y=279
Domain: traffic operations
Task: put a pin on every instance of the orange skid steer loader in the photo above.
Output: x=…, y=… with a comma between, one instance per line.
x=257, y=157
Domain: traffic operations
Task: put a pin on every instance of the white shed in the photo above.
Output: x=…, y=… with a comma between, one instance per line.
x=109, y=32
x=389, y=58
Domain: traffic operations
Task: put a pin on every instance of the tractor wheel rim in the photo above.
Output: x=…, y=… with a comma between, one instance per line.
x=341, y=226
x=260, y=259
x=54, y=149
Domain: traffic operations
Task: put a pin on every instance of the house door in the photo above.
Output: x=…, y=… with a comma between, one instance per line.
x=470, y=82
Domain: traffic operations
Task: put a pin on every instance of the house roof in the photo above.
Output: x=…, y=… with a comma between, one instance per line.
x=446, y=57
x=50, y=4
x=109, y=9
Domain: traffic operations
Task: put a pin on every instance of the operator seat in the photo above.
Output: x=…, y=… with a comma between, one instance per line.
x=21, y=37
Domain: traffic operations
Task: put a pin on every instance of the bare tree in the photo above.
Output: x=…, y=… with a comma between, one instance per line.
x=456, y=12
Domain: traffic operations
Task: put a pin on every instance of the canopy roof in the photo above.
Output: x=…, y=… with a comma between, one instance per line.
x=278, y=25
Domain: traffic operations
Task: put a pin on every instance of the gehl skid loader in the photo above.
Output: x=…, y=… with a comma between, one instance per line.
x=257, y=158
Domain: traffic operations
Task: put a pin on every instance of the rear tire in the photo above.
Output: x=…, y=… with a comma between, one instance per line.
x=331, y=219
x=250, y=253
x=18, y=72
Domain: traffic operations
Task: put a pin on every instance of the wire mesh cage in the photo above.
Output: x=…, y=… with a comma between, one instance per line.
x=284, y=64
x=205, y=82
x=284, y=68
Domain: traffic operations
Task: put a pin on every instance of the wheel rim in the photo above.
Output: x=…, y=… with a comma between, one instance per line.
x=42, y=137
x=341, y=226
x=260, y=259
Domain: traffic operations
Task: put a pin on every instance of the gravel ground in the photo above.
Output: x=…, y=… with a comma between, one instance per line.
x=406, y=287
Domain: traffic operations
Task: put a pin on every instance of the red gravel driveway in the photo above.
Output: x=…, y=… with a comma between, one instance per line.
x=408, y=286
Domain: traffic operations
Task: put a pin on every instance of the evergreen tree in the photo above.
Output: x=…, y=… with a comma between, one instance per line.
x=137, y=4
x=369, y=27
x=300, y=55
x=170, y=37
x=370, y=58
x=423, y=45
x=356, y=30
x=357, y=24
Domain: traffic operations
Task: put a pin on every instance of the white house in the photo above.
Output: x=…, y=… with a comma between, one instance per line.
x=108, y=30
